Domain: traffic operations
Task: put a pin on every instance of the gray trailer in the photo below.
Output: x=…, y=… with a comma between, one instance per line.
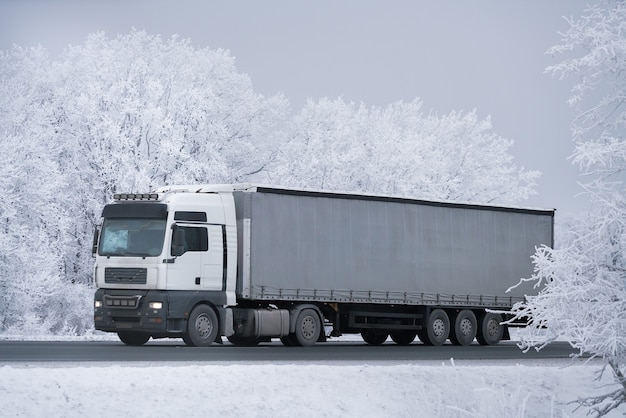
x=308, y=261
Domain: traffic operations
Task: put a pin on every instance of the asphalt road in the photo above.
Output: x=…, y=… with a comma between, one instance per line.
x=175, y=351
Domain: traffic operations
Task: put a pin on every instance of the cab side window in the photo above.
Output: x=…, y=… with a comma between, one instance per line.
x=196, y=239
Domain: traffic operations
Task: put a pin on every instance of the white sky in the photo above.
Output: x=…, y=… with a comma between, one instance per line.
x=453, y=54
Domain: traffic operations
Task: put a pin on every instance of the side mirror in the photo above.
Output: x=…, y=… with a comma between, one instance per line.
x=178, y=241
x=96, y=237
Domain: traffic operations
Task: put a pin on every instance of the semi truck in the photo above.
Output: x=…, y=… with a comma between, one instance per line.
x=253, y=263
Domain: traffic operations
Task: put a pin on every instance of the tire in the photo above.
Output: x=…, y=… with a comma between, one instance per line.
x=308, y=328
x=202, y=326
x=289, y=341
x=437, y=327
x=374, y=336
x=243, y=341
x=465, y=328
x=133, y=338
x=490, y=331
x=403, y=337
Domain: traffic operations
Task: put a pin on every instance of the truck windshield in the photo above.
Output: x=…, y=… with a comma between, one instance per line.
x=132, y=237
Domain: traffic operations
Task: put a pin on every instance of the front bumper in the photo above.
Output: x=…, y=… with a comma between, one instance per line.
x=133, y=310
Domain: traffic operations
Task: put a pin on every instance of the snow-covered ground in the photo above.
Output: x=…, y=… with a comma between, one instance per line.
x=541, y=388
x=477, y=389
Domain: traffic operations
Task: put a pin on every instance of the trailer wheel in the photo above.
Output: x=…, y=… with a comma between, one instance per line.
x=490, y=330
x=403, y=337
x=437, y=327
x=202, y=326
x=308, y=328
x=133, y=338
x=374, y=336
x=465, y=327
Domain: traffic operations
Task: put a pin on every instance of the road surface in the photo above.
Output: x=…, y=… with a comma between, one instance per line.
x=175, y=351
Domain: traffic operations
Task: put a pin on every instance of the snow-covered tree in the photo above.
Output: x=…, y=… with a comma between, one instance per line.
x=583, y=299
x=121, y=114
x=400, y=150
x=33, y=238
x=135, y=112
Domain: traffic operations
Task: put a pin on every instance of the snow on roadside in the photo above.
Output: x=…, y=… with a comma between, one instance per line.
x=496, y=388
x=332, y=389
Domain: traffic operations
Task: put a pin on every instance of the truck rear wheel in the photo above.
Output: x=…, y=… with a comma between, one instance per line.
x=374, y=336
x=437, y=327
x=308, y=328
x=403, y=337
x=490, y=330
x=289, y=340
x=243, y=341
x=202, y=327
x=465, y=327
x=133, y=338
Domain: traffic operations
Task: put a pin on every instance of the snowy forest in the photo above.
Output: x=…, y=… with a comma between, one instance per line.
x=133, y=112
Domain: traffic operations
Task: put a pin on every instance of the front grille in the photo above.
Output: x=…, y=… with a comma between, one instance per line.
x=122, y=302
x=123, y=275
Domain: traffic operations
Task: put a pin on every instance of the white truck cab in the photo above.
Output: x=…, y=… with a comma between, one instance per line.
x=159, y=254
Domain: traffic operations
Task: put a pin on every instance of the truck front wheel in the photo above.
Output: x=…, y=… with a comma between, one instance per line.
x=202, y=327
x=308, y=328
x=133, y=338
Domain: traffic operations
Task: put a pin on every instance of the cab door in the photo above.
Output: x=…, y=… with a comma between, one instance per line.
x=200, y=266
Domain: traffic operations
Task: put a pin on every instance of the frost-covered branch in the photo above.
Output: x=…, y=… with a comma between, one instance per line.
x=583, y=283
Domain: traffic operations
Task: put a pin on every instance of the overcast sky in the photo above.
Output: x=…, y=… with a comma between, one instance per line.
x=487, y=55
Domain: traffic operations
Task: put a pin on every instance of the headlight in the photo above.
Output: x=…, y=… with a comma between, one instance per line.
x=155, y=305
x=98, y=304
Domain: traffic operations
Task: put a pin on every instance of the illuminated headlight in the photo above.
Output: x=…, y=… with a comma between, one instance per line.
x=155, y=305
x=98, y=304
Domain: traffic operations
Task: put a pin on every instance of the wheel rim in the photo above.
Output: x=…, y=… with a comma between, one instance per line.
x=493, y=327
x=308, y=327
x=466, y=327
x=204, y=326
x=439, y=327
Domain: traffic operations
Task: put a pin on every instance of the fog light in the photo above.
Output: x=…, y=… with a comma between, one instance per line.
x=155, y=305
x=98, y=304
